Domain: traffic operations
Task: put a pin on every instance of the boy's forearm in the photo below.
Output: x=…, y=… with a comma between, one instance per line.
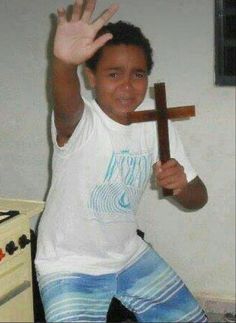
x=68, y=104
x=194, y=195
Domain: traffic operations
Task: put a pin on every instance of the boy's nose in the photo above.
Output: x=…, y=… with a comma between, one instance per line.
x=127, y=83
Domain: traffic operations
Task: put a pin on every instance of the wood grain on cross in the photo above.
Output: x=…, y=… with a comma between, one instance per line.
x=161, y=115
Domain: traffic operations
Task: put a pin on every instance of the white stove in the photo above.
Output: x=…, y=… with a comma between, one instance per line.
x=16, y=303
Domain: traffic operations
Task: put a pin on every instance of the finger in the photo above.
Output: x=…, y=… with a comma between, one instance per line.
x=177, y=191
x=164, y=169
x=99, y=42
x=157, y=168
x=88, y=10
x=77, y=9
x=61, y=16
x=105, y=17
x=174, y=182
x=170, y=172
x=170, y=163
x=169, y=182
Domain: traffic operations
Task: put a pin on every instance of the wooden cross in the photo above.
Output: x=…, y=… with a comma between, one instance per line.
x=161, y=115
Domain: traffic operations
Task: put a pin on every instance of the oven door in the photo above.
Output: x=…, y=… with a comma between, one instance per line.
x=14, y=306
x=16, y=303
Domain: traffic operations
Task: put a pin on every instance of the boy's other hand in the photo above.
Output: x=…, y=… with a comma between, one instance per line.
x=170, y=175
x=75, y=38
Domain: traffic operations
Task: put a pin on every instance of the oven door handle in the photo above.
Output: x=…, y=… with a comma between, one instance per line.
x=14, y=292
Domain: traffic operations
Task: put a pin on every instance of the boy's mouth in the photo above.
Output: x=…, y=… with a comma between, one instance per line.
x=126, y=101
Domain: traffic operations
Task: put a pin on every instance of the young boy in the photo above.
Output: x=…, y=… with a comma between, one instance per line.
x=88, y=249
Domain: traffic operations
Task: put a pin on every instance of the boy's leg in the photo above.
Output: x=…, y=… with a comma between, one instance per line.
x=154, y=292
x=76, y=297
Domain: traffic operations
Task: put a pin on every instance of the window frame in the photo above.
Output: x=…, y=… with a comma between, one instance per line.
x=221, y=43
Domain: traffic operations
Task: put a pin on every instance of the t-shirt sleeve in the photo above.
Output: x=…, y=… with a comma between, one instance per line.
x=177, y=152
x=80, y=135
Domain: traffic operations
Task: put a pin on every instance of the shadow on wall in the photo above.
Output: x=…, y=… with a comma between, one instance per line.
x=49, y=55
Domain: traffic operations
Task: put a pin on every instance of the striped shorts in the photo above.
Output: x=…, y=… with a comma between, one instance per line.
x=149, y=288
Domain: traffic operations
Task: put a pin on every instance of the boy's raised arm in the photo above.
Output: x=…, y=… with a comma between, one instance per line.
x=74, y=44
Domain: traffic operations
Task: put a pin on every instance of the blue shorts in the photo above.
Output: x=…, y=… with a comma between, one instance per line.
x=149, y=288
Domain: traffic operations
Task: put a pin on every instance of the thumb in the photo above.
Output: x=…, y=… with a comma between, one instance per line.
x=157, y=167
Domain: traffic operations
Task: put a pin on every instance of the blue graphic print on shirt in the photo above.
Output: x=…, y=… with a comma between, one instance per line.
x=117, y=198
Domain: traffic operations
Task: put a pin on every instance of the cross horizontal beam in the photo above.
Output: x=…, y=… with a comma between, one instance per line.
x=153, y=115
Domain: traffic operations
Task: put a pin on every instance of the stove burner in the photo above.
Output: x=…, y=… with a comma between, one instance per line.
x=7, y=214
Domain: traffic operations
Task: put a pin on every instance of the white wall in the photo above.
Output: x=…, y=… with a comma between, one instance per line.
x=199, y=245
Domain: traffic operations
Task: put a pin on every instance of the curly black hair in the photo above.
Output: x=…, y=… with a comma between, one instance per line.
x=123, y=33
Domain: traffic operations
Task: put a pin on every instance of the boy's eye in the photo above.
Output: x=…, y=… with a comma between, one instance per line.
x=113, y=75
x=140, y=75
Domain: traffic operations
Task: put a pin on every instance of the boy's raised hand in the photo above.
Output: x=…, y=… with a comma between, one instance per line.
x=75, y=39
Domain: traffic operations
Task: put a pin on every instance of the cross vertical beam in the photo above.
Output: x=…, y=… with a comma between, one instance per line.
x=161, y=114
x=162, y=127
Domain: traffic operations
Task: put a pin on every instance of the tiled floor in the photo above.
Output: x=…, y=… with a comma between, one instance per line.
x=217, y=318
x=213, y=318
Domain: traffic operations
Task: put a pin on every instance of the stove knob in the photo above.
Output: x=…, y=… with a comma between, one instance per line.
x=11, y=247
x=2, y=254
x=23, y=241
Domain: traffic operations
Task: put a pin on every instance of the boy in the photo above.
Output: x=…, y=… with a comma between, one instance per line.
x=88, y=249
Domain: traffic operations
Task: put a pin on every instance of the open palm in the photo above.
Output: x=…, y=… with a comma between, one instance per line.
x=75, y=39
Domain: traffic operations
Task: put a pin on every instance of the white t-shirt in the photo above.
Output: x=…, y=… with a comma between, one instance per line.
x=99, y=175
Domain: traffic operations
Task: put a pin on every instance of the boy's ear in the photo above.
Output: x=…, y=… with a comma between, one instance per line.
x=90, y=77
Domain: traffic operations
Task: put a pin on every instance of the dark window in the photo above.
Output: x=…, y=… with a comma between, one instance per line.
x=225, y=42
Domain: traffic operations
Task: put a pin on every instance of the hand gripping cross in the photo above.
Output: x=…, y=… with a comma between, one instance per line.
x=161, y=115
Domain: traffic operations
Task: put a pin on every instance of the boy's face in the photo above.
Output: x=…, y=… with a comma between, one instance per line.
x=120, y=80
